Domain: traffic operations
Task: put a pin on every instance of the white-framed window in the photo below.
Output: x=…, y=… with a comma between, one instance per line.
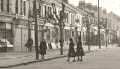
x=2, y=7
x=8, y=5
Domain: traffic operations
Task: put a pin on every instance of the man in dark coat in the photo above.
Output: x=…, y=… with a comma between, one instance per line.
x=43, y=48
x=29, y=44
x=71, y=51
x=79, y=51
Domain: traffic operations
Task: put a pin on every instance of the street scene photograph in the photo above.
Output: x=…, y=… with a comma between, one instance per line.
x=59, y=34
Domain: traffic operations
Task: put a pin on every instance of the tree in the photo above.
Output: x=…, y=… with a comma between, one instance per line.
x=66, y=1
x=60, y=19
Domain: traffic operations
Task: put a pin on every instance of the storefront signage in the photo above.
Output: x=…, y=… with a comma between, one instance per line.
x=5, y=19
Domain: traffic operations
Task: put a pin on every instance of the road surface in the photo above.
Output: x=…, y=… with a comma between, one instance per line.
x=102, y=59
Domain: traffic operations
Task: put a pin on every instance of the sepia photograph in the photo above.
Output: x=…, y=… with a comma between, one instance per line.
x=59, y=34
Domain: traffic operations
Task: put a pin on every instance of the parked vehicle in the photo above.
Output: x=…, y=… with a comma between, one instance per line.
x=5, y=45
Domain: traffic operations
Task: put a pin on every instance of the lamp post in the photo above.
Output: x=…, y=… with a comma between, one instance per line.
x=61, y=28
x=106, y=32
x=36, y=30
x=99, y=40
x=88, y=31
x=29, y=23
x=76, y=29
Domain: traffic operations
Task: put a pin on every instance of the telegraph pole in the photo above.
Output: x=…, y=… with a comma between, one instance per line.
x=106, y=33
x=36, y=31
x=88, y=34
x=29, y=29
x=99, y=40
x=61, y=25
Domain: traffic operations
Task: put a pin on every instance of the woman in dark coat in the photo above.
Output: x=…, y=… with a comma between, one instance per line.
x=71, y=51
x=29, y=44
x=79, y=51
x=43, y=48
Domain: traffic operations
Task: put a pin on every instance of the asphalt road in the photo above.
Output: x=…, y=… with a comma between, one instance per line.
x=102, y=59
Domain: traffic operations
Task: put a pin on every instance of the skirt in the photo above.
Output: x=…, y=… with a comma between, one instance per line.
x=80, y=52
x=42, y=52
x=71, y=53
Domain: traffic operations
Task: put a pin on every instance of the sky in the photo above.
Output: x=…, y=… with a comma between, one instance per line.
x=110, y=5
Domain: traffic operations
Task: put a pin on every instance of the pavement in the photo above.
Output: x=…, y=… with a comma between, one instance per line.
x=101, y=59
x=13, y=59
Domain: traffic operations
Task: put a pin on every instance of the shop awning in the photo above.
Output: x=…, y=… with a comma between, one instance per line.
x=67, y=27
x=49, y=25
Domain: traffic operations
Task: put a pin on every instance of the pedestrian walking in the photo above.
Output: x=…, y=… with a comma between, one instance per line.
x=29, y=44
x=71, y=51
x=79, y=49
x=50, y=45
x=43, y=48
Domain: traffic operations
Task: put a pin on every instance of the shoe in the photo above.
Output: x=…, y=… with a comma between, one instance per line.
x=73, y=60
x=81, y=60
x=68, y=60
x=78, y=60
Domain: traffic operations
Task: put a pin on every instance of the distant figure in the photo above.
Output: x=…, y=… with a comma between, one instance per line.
x=29, y=44
x=79, y=51
x=43, y=48
x=50, y=45
x=56, y=43
x=71, y=51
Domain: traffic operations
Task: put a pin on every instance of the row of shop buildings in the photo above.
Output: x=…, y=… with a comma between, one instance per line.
x=108, y=23
x=17, y=21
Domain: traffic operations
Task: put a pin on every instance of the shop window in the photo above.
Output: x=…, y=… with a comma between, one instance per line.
x=8, y=26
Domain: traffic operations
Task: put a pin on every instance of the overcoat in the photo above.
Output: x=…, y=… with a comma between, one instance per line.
x=43, y=47
x=79, y=49
x=29, y=43
x=71, y=52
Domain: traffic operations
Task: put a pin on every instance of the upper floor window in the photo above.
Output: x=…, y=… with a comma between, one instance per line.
x=49, y=11
x=1, y=5
x=21, y=12
x=67, y=17
x=39, y=10
x=16, y=9
x=45, y=11
x=8, y=5
x=24, y=8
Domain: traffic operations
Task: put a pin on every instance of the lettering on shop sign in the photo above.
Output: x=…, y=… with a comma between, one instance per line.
x=5, y=19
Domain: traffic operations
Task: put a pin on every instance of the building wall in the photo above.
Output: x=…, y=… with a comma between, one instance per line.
x=21, y=10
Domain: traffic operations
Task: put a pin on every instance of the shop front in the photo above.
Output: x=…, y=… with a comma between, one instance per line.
x=6, y=34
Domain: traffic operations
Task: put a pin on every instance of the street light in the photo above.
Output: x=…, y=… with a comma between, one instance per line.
x=36, y=30
x=99, y=40
x=29, y=22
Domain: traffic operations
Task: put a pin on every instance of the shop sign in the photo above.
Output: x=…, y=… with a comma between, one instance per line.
x=5, y=19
